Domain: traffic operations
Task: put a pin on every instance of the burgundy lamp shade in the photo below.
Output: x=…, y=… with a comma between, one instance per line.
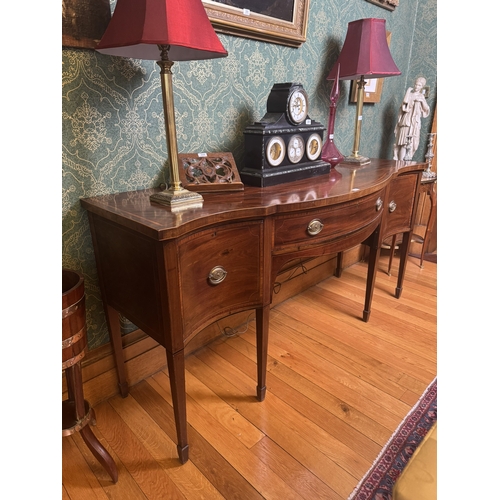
x=365, y=52
x=137, y=27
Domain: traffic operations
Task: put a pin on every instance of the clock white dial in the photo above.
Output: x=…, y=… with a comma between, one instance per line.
x=275, y=151
x=313, y=147
x=296, y=148
x=297, y=106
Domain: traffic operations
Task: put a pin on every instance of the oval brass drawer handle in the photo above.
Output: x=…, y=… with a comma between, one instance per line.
x=217, y=275
x=314, y=227
x=392, y=206
x=378, y=204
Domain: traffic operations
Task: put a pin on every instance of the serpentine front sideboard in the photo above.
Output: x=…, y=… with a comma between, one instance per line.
x=172, y=274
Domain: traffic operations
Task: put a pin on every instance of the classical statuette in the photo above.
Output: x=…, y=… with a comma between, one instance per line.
x=413, y=108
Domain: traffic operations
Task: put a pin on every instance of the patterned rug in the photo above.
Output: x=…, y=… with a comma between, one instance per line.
x=379, y=480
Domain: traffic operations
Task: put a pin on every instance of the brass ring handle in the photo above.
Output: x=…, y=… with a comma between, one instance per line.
x=378, y=204
x=392, y=206
x=314, y=227
x=217, y=275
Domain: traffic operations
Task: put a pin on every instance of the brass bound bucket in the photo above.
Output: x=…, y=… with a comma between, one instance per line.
x=74, y=326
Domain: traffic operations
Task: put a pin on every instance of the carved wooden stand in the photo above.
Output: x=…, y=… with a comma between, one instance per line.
x=76, y=412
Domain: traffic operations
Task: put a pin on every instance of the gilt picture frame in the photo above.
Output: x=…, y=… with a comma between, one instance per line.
x=385, y=4
x=282, y=22
x=84, y=22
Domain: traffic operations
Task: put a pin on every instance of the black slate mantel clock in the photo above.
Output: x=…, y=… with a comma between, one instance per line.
x=285, y=145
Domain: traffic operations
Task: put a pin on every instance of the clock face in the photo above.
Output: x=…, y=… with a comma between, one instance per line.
x=296, y=148
x=275, y=151
x=313, y=147
x=297, y=106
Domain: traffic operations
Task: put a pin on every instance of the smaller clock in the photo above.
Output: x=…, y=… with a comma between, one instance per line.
x=297, y=108
x=295, y=148
x=275, y=151
x=313, y=147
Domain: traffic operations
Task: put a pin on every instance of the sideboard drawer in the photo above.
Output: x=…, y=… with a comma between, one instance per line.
x=399, y=204
x=326, y=224
x=220, y=272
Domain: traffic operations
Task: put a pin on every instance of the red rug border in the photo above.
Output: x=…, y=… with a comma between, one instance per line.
x=378, y=463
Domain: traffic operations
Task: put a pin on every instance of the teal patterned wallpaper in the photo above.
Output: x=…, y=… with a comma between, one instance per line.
x=112, y=121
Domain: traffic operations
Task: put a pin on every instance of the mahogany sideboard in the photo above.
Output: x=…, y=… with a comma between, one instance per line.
x=174, y=273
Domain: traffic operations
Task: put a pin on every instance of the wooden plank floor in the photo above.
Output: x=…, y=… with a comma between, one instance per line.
x=337, y=390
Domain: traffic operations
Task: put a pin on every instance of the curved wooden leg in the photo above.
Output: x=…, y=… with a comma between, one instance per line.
x=100, y=453
x=262, y=328
x=175, y=363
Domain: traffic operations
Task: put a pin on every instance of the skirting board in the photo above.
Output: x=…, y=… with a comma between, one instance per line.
x=145, y=357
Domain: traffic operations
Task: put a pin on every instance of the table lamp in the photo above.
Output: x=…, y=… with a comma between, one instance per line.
x=365, y=53
x=165, y=31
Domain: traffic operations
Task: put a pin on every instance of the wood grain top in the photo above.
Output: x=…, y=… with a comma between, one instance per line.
x=134, y=209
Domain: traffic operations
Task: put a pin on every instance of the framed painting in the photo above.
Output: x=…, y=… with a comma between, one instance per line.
x=386, y=4
x=84, y=22
x=373, y=86
x=276, y=21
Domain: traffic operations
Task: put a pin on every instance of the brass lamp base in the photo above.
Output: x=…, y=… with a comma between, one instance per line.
x=178, y=199
x=357, y=161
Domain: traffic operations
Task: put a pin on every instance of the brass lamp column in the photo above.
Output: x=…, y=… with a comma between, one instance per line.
x=175, y=196
x=355, y=157
x=164, y=31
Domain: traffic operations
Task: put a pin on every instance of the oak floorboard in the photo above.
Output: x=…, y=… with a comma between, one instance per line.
x=149, y=475
x=264, y=480
x=293, y=472
x=273, y=418
x=382, y=322
x=400, y=309
x=318, y=344
x=325, y=409
x=243, y=430
x=80, y=482
x=365, y=337
x=350, y=358
x=368, y=399
x=126, y=488
x=65, y=495
x=289, y=416
x=187, y=479
x=212, y=464
x=337, y=388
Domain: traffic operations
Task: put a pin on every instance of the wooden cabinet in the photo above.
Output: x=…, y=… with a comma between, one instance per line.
x=299, y=231
x=172, y=274
x=220, y=272
x=400, y=200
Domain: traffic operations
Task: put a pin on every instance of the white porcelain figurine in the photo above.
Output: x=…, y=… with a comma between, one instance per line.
x=413, y=108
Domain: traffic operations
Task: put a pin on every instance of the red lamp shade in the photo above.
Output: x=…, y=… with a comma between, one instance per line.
x=365, y=52
x=137, y=27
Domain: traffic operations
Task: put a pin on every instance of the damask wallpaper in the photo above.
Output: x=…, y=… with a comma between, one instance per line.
x=112, y=121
